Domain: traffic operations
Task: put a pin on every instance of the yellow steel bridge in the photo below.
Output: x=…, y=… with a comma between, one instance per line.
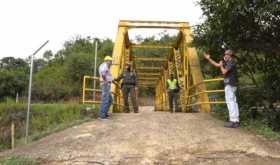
x=181, y=60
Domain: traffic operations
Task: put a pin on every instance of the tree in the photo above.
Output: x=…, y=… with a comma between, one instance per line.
x=252, y=29
x=13, y=77
x=48, y=55
x=51, y=84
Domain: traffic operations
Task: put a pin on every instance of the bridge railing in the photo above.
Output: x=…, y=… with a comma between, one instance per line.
x=194, y=94
x=95, y=91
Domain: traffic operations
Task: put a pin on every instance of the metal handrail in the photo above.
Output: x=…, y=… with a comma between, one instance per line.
x=205, y=81
x=210, y=102
x=96, y=90
x=206, y=91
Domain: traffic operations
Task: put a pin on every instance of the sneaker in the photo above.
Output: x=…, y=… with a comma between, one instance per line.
x=103, y=118
x=108, y=115
x=229, y=124
x=236, y=124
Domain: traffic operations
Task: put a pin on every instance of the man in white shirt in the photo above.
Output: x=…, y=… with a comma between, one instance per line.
x=105, y=85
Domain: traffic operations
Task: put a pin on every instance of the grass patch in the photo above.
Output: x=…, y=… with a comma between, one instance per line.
x=44, y=120
x=257, y=126
x=17, y=160
x=260, y=128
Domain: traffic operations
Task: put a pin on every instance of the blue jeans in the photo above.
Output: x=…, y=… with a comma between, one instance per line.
x=106, y=99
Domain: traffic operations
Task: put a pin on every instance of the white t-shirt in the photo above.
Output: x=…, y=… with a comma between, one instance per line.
x=104, y=70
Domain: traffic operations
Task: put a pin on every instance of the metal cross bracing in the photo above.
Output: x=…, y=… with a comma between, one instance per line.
x=179, y=59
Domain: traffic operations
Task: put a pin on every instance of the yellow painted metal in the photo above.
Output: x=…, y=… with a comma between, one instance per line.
x=153, y=24
x=119, y=53
x=146, y=74
x=195, y=70
x=209, y=102
x=182, y=60
x=84, y=90
x=148, y=78
x=214, y=80
x=180, y=72
x=92, y=102
x=147, y=82
x=209, y=91
x=142, y=46
x=162, y=84
x=93, y=90
x=206, y=81
x=165, y=91
x=90, y=77
x=148, y=68
x=154, y=59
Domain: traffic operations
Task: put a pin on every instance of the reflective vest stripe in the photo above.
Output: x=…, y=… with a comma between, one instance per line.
x=172, y=84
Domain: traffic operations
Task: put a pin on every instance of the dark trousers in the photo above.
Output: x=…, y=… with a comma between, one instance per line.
x=129, y=90
x=172, y=97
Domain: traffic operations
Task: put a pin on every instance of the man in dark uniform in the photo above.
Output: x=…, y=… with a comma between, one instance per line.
x=129, y=87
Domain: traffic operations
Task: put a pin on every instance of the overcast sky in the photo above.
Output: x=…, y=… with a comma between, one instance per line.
x=26, y=24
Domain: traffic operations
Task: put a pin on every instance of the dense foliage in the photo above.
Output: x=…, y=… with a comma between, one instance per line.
x=252, y=29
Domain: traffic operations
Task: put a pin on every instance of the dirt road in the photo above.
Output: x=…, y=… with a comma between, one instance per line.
x=153, y=138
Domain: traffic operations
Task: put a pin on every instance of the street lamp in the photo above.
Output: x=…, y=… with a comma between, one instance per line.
x=29, y=91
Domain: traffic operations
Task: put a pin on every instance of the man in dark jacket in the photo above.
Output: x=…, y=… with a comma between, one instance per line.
x=129, y=87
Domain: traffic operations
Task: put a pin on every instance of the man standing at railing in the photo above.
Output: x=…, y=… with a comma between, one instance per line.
x=228, y=69
x=129, y=87
x=105, y=85
x=173, y=88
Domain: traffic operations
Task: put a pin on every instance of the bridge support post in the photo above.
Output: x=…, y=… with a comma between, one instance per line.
x=118, y=58
x=195, y=71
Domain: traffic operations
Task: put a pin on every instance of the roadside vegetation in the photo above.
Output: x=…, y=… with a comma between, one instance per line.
x=44, y=119
x=251, y=29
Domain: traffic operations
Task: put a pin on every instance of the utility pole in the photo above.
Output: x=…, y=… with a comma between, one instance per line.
x=94, y=70
x=29, y=91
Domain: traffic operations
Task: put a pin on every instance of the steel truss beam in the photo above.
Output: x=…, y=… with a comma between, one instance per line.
x=143, y=46
x=153, y=24
x=147, y=74
x=148, y=68
x=141, y=58
x=147, y=78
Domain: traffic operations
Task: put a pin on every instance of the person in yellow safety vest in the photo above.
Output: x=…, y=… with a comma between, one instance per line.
x=173, y=88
